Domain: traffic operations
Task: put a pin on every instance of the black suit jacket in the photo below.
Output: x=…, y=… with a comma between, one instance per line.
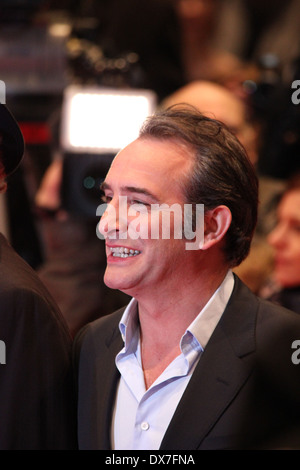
x=244, y=392
x=36, y=386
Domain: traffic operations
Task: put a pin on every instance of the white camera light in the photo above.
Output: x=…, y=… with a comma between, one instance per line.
x=103, y=120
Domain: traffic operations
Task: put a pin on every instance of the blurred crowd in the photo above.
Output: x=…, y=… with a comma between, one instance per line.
x=234, y=60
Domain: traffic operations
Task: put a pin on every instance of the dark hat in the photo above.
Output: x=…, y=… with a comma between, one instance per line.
x=11, y=141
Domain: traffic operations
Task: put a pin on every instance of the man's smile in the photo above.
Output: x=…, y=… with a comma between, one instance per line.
x=123, y=252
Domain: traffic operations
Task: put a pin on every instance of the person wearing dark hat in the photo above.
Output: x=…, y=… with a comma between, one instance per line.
x=36, y=405
x=12, y=142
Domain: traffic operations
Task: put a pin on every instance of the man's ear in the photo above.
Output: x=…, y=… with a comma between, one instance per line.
x=216, y=223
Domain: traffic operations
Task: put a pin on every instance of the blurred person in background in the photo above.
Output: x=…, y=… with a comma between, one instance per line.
x=202, y=58
x=284, y=285
x=218, y=102
x=36, y=398
x=265, y=36
x=255, y=29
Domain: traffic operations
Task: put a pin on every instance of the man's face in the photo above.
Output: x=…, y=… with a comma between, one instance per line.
x=145, y=173
x=285, y=240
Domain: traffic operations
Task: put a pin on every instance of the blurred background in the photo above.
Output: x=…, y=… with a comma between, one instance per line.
x=148, y=48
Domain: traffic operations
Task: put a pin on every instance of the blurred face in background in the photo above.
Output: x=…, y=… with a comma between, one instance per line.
x=196, y=8
x=285, y=240
x=197, y=12
x=216, y=101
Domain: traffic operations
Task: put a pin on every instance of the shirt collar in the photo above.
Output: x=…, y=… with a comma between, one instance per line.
x=200, y=329
x=206, y=321
x=129, y=322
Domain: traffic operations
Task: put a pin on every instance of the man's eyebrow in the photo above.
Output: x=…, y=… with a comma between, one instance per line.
x=135, y=189
x=131, y=189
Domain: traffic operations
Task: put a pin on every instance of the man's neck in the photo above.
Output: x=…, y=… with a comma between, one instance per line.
x=164, y=319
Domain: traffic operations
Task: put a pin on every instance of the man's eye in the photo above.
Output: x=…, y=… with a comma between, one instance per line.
x=138, y=203
x=106, y=199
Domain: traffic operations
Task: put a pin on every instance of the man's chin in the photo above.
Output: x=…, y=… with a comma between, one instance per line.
x=115, y=284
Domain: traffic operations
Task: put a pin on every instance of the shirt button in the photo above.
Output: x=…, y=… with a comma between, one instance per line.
x=144, y=426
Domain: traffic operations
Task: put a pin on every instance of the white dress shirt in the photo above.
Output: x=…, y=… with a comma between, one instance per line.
x=141, y=416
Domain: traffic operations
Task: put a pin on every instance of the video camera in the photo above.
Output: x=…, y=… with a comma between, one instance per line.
x=96, y=123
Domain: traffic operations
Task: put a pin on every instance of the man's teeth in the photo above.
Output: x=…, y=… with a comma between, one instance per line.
x=122, y=252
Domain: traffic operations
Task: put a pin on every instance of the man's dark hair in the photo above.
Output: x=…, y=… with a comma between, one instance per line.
x=222, y=173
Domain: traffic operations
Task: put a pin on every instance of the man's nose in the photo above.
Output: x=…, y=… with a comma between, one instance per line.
x=114, y=219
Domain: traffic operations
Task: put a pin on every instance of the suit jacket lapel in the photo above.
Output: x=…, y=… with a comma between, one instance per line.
x=98, y=378
x=107, y=382
x=223, y=368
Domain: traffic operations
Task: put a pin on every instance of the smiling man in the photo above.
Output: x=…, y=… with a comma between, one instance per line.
x=174, y=370
x=136, y=165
